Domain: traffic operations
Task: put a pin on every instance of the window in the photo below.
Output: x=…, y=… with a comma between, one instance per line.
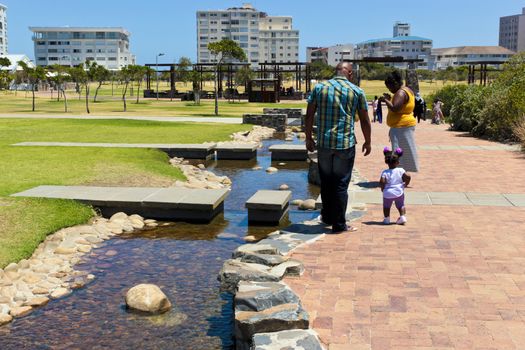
x=77, y=51
x=52, y=51
x=89, y=51
x=112, y=58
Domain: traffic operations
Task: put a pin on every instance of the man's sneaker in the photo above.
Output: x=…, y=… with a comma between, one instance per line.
x=402, y=220
x=386, y=221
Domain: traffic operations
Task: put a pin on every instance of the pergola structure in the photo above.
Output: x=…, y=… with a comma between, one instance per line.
x=275, y=70
x=481, y=67
x=411, y=76
x=227, y=70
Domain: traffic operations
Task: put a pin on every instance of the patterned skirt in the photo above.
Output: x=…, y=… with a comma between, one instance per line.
x=404, y=138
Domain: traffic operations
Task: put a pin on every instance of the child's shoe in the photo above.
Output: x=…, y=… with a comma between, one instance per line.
x=402, y=220
x=386, y=221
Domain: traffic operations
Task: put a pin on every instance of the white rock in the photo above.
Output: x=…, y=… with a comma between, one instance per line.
x=4, y=319
x=297, y=202
x=250, y=239
x=308, y=204
x=12, y=267
x=284, y=187
x=147, y=298
x=271, y=169
x=20, y=311
x=59, y=293
x=119, y=215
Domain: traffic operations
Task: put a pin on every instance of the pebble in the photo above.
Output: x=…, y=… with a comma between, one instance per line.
x=257, y=168
x=308, y=204
x=281, y=164
x=20, y=311
x=59, y=293
x=284, y=187
x=250, y=239
x=38, y=301
x=271, y=169
x=201, y=166
x=296, y=202
x=111, y=253
x=4, y=319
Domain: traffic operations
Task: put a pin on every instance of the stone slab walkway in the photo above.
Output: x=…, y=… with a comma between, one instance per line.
x=166, y=203
x=451, y=278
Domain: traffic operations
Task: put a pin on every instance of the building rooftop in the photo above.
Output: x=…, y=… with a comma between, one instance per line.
x=472, y=50
x=395, y=38
x=14, y=59
x=80, y=29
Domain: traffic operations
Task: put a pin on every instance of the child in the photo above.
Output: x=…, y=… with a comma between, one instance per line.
x=374, y=108
x=393, y=181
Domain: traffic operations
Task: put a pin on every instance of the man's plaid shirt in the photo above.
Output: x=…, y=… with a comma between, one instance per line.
x=337, y=102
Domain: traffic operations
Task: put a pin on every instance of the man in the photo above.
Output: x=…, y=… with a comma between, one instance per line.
x=337, y=101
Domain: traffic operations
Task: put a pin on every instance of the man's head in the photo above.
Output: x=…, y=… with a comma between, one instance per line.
x=344, y=69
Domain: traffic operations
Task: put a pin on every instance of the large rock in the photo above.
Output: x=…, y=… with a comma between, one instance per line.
x=147, y=298
x=297, y=339
x=263, y=259
x=4, y=319
x=258, y=296
x=254, y=249
x=275, y=319
x=21, y=311
x=308, y=204
x=234, y=271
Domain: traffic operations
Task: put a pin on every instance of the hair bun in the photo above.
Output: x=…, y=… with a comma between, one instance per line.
x=399, y=151
x=386, y=150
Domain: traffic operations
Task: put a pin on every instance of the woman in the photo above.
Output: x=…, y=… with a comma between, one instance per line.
x=401, y=119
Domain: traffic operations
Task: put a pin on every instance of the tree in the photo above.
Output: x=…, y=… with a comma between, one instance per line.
x=78, y=75
x=226, y=49
x=60, y=77
x=137, y=74
x=34, y=75
x=4, y=74
x=183, y=70
x=320, y=70
x=100, y=74
x=126, y=75
x=243, y=76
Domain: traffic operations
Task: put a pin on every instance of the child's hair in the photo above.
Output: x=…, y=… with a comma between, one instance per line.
x=375, y=97
x=392, y=158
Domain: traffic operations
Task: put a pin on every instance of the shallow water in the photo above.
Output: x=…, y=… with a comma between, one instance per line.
x=183, y=259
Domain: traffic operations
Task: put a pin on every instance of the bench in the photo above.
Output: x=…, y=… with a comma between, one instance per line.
x=268, y=207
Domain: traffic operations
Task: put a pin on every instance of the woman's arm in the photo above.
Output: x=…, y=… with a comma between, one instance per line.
x=396, y=104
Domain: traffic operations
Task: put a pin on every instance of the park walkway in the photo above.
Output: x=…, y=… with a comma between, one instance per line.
x=452, y=278
x=221, y=120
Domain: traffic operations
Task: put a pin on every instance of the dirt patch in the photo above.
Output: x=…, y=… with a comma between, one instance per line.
x=115, y=175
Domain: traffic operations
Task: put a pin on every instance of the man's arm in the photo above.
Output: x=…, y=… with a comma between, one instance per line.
x=366, y=128
x=309, y=125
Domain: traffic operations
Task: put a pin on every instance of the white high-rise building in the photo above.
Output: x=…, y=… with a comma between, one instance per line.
x=71, y=46
x=263, y=38
x=331, y=55
x=3, y=29
x=401, y=29
x=512, y=32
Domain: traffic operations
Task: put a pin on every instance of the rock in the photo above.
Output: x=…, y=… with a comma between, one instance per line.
x=117, y=216
x=4, y=300
x=308, y=204
x=272, y=169
x=93, y=239
x=150, y=221
x=64, y=251
x=201, y=166
x=264, y=259
x=111, y=252
x=90, y=277
x=254, y=249
x=40, y=290
x=281, y=164
x=38, y=301
x=44, y=268
x=259, y=296
x=152, y=224
x=284, y=187
x=5, y=319
x=226, y=181
x=32, y=278
x=226, y=235
x=288, y=268
x=137, y=224
x=82, y=241
x=84, y=249
x=12, y=267
x=300, y=339
x=59, y=293
x=20, y=311
x=147, y=298
x=12, y=275
x=274, y=319
x=297, y=202
x=257, y=168
x=250, y=238
x=234, y=271
x=23, y=264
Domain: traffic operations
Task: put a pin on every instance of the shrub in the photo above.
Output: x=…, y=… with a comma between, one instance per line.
x=466, y=107
x=448, y=94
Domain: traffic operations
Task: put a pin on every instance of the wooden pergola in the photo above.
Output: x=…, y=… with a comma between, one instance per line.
x=481, y=67
x=275, y=70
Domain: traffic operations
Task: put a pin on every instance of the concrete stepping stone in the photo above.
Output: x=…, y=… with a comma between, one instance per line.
x=157, y=203
x=297, y=339
x=267, y=206
x=236, y=151
x=288, y=152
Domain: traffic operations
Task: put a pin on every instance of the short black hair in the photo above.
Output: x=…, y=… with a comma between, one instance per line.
x=394, y=78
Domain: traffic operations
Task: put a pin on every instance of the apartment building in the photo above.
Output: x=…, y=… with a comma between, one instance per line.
x=512, y=32
x=263, y=38
x=71, y=46
x=3, y=30
x=443, y=58
x=402, y=44
x=331, y=55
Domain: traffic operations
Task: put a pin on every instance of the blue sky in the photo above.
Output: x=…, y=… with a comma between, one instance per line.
x=169, y=26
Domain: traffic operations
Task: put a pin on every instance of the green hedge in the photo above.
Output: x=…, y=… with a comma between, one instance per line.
x=495, y=111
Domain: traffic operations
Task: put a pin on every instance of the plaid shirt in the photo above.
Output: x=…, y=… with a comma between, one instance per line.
x=337, y=101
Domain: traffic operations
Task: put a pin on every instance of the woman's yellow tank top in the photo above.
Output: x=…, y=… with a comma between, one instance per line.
x=405, y=117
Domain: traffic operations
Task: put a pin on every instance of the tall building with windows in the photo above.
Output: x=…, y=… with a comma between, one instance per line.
x=3, y=29
x=331, y=55
x=402, y=44
x=71, y=46
x=512, y=32
x=263, y=38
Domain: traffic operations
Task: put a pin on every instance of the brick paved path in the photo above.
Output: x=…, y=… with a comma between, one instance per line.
x=452, y=278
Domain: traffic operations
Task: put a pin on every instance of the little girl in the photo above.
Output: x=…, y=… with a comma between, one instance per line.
x=393, y=181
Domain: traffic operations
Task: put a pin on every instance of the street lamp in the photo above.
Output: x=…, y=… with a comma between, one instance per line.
x=157, y=71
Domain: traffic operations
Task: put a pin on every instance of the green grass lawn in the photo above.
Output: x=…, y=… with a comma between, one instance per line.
x=24, y=223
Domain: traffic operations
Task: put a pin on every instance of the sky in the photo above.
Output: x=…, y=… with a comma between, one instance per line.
x=169, y=26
